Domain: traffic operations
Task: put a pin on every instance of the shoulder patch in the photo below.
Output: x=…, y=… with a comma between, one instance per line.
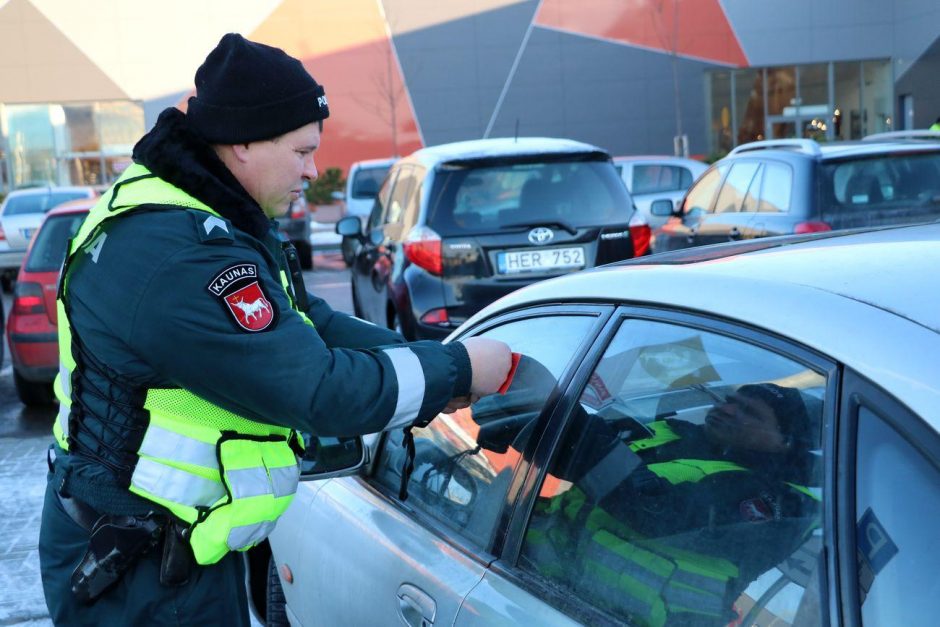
x=212, y=228
x=238, y=288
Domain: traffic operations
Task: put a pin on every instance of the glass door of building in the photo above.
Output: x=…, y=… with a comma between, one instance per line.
x=792, y=126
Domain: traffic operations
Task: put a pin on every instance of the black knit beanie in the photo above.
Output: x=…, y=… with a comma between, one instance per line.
x=789, y=408
x=246, y=91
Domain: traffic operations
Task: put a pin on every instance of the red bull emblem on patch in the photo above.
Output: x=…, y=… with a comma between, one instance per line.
x=238, y=287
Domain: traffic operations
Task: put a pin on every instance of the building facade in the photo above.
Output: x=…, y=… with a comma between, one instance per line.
x=80, y=82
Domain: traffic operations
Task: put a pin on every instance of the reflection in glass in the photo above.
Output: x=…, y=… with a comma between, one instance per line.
x=749, y=105
x=719, y=103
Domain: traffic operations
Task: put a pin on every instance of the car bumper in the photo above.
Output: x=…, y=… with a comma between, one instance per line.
x=35, y=356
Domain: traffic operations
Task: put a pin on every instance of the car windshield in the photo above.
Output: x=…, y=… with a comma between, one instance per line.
x=48, y=250
x=884, y=182
x=39, y=203
x=486, y=199
x=366, y=182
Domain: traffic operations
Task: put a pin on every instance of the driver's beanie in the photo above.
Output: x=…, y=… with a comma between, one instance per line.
x=788, y=407
x=246, y=91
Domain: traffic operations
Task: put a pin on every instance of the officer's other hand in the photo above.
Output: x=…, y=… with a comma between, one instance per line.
x=490, y=361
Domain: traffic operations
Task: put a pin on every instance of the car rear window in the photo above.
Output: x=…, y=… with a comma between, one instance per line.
x=469, y=199
x=48, y=251
x=366, y=182
x=39, y=203
x=886, y=181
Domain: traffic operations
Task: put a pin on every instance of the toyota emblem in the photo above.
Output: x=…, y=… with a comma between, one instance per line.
x=541, y=235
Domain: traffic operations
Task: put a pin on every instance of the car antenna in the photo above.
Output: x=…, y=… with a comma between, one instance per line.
x=515, y=138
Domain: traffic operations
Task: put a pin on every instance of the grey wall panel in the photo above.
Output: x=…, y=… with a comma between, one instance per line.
x=608, y=94
x=923, y=81
x=781, y=32
x=455, y=70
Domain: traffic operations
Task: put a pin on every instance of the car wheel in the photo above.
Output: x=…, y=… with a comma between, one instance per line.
x=33, y=393
x=6, y=281
x=276, y=609
x=305, y=253
x=395, y=323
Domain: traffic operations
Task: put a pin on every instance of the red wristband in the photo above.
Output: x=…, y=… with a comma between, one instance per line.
x=512, y=372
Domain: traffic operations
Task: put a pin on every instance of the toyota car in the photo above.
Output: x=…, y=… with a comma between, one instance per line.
x=455, y=227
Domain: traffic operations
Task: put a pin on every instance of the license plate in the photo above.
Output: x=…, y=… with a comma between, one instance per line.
x=539, y=260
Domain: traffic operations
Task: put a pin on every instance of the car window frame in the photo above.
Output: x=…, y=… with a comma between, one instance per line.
x=551, y=436
x=433, y=525
x=857, y=392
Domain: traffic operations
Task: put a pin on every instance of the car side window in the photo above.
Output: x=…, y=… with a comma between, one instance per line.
x=776, y=188
x=686, y=488
x=732, y=194
x=464, y=461
x=401, y=194
x=654, y=177
x=381, y=201
x=897, y=507
x=700, y=197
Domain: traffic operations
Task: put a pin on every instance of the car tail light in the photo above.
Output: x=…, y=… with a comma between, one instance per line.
x=641, y=234
x=3, y=235
x=436, y=316
x=27, y=298
x=297, y=210
x=423, y=248
x=811, y=227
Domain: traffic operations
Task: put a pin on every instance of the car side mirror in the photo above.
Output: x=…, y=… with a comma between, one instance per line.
x=662, y=207
x=338, y=195
x=332, y=457
x=349, y=227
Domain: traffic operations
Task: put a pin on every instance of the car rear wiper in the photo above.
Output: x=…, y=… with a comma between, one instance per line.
x=563, y=225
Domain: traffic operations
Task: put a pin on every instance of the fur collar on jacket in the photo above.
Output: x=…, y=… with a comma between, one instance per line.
x=174, y=152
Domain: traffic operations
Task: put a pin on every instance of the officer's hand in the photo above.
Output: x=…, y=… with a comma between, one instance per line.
x=490, y=361
x=459, y=402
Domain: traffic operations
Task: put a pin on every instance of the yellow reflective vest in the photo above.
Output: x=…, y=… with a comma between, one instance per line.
x=229, y=478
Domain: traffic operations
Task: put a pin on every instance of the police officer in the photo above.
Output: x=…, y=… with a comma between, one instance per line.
x=191, y=355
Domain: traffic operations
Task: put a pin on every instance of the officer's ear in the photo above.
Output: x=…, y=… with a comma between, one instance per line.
x=241, y=152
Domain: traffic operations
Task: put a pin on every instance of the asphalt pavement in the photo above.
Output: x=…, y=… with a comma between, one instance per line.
x=24, y=436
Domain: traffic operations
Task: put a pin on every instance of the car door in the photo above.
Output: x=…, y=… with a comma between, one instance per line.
x=640, y=506
x=681, y=231
x=363, y=555
x=770, y=209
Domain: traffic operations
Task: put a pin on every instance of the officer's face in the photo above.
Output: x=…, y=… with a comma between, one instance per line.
x=745, y=423
x=273, y=171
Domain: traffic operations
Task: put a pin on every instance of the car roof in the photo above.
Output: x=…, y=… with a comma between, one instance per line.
x=373, y=163
x=35, y=191
x=658, y=159
x=73, y=206
x=809, y=149
x=483, y=149
x=869, y=299
x=838, y=150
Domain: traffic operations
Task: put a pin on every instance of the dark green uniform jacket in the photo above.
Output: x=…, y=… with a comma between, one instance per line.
x=149, y=307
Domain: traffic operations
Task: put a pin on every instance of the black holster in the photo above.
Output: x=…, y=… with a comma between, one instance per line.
x=178, y=560
x=116, y=543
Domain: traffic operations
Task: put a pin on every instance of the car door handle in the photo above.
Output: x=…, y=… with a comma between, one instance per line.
x=415, y=606
x=691, y=236
x=734, y=233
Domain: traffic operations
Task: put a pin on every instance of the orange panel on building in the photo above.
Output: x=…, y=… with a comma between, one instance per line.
x=702, y=30
x=349, y=53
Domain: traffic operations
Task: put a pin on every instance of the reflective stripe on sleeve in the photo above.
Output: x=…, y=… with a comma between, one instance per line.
x=166, y=444
x=177, y=486
x=410, y=377
x=249, y=535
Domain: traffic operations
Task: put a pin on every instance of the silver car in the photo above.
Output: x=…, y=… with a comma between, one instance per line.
x=21, y=214
x=734, y=434
x=655, y=178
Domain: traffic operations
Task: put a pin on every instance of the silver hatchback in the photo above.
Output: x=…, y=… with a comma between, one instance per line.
x=736, y=434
